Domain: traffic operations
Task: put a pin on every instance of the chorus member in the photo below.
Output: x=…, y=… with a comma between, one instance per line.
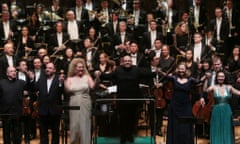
x=221, y=129
x=11, y=103
x=50, y=87
x=127, y=109
x=178, y=131
x=79, y=83
x=181, y=38
x=7, y=59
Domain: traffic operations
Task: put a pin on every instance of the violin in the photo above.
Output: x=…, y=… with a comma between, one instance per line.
x=35, y=110
x=160, y=102
x=26, y=106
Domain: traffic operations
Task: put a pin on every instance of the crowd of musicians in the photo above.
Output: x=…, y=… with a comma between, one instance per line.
x=52, y=55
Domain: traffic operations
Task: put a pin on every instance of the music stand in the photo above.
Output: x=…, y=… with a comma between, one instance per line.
x=64, y=124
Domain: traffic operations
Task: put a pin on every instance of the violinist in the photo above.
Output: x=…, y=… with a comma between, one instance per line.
x=157, y=91
x=22, y=74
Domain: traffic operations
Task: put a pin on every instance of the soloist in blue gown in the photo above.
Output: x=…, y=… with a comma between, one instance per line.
x=179, y=132
x=221, y=131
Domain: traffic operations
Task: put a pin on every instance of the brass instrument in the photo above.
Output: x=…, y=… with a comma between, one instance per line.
x=53, y=16
x=15, y=10
x=92, y=14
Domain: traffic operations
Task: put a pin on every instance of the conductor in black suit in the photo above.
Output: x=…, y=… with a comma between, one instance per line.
x=50, y=87
x=127, y=78
x=11, y=94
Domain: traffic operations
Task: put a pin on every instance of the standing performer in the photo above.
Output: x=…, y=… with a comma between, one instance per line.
x=79, y=83
x=179, y=132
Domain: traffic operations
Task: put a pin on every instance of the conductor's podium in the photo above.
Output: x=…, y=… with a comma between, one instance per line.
x=116, y=140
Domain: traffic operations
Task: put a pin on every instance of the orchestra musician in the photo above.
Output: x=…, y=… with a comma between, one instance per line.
x=55, y=8
x=7, y=28
x=181, y=38
x=220, y=28
x=81, y=14
x=7, y=59
x=58, y=40
x=26, y=119
x=150, y=37
x=25, y=45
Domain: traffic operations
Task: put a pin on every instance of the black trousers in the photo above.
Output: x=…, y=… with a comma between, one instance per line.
x=128, y=119
x=49, y=122
x=11, y=131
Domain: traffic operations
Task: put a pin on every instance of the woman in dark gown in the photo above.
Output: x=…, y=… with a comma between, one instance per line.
x=180, y=128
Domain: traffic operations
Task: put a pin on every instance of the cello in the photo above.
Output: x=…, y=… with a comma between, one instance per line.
x=160, y=102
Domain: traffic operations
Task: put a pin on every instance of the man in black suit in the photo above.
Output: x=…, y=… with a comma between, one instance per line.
x=50, y=87
x=121, y=39
x=198, y=16
x=80, y=12
x=127, y=79
x=58, y=40
x=8, y=28
x=220, y=28
x=7, y=59
x=199, y=49
x=11, y=96
x=150, y=37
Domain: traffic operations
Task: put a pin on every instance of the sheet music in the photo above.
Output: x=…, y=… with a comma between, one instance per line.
x=112, y=89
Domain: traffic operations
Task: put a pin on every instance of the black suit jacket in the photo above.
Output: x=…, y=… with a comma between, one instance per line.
x=84, y=14
x=11, y=94
x=147, y=40
x=4, y=65
x=224, y=30
x=49, y=102
x=53, y=42
x=13, y=28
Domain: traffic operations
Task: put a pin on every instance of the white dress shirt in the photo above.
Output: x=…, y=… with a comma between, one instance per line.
x=73, y=30
x=78, y=13
x=10, y=60
x=22, y=76
x=59, y=38
x=197, y=50
x=218, y=22
x=49, y=83
x=37, y=74
x=134, y=59
x=6, y=28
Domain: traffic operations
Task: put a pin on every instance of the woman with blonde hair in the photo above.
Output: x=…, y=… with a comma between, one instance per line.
x=181, y=37
x=78, y=84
